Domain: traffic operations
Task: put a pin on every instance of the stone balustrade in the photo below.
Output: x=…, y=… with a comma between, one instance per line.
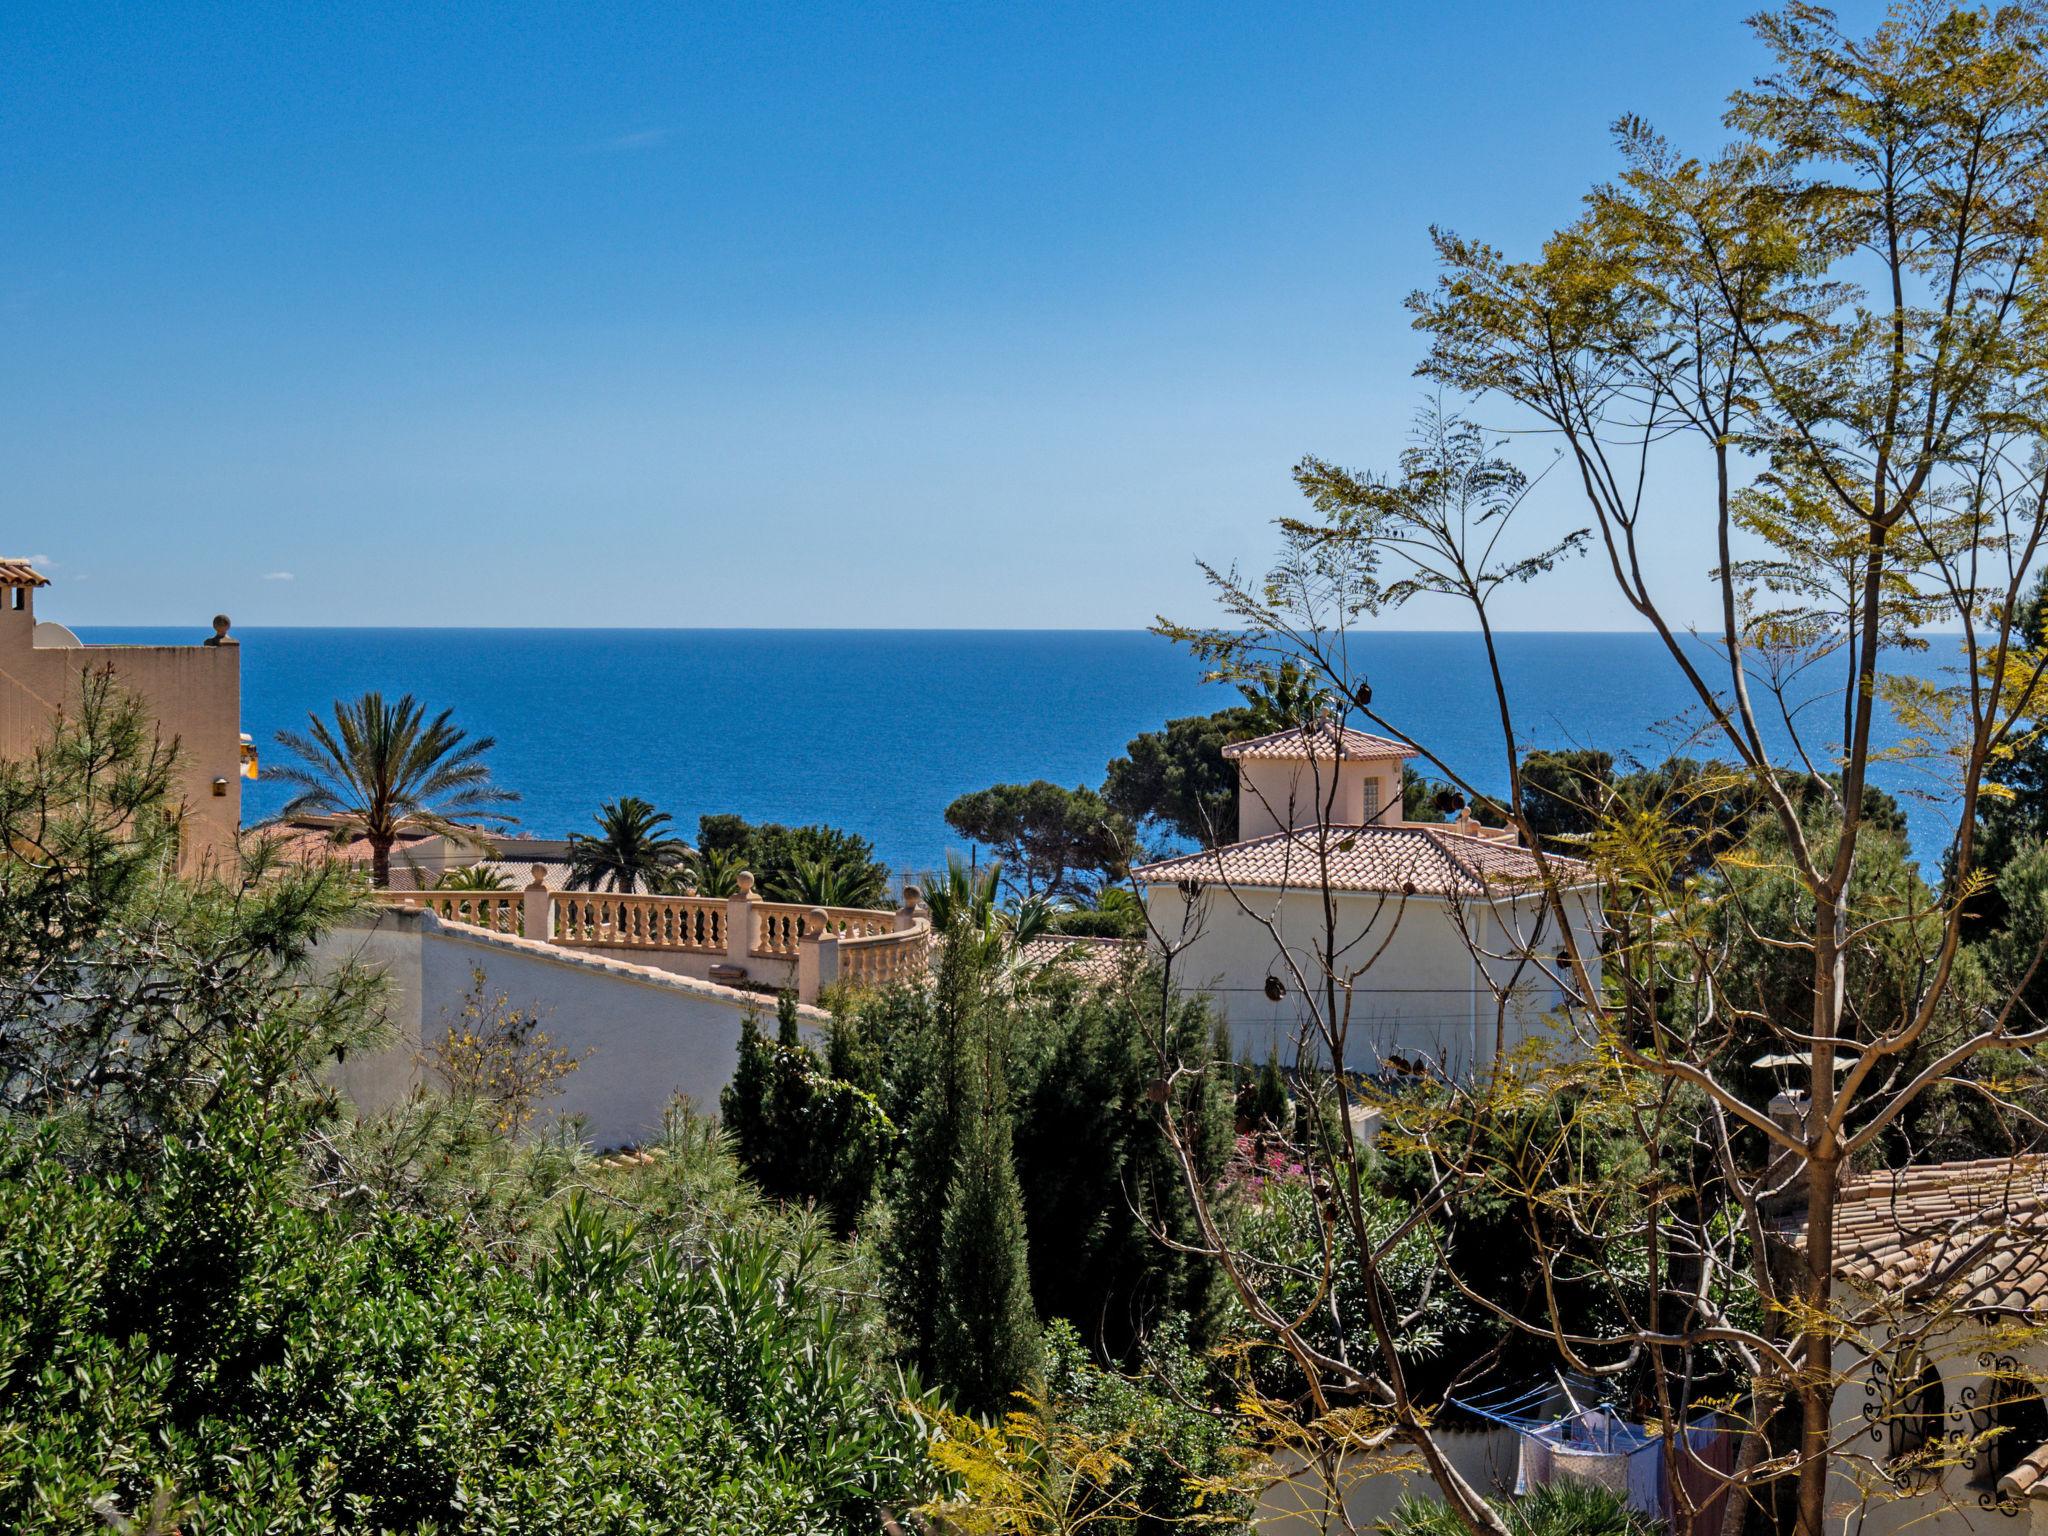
x=499, y=911
x=886, y=959
x=781, y=927
x=755, y=942
x=612, y=920
x=872, y=956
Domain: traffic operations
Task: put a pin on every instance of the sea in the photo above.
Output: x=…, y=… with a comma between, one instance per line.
x=876, y=731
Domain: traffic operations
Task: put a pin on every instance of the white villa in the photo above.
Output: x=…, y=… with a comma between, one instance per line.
x=1451, y=949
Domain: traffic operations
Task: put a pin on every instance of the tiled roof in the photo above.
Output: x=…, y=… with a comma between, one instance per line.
x=1416, y=860
x=2028, y=1480
x=1093, y=958
x=1326, y=738
x=19, y=573
x=1978, y=1230
x=319, y=843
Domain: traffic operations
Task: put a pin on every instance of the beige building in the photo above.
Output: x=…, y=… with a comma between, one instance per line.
x=1452, y=953
x=194, y=691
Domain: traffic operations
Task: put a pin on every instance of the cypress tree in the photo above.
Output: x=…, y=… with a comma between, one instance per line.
x=987, y=1335
x=743, y=1102
x=931, y=1118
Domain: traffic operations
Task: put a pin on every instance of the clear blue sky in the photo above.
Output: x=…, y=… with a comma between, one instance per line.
x=755, y=315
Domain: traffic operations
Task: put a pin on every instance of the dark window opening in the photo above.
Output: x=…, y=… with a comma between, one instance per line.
x=1912, y=1405
x=2013, y=1407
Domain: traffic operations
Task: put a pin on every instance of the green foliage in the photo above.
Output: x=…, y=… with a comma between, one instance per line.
x=985, y=1343
x=1558, y=1508
x=1895, y=928
x=1118, y=913
x=1419, y=796
x=1263, y=1099
x=1098, y=1178
x=385, y=768
x=1050, y=841
x=819, y=865
x=272, y=1365
x=474, y=877
x=2013, y=951
x=802, y=1133
x=944, y=1073
x=1287, y=1238
x=630, y=851
x=1564, y=795
x=2017, y=812
x=1178, y=777
x=1176, y=1443
x=227, y=1306
x=123, y=988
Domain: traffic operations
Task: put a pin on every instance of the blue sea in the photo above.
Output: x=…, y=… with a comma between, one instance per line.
x=877, y=730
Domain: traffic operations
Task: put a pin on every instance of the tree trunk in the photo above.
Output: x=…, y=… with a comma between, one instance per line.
x=380, y=862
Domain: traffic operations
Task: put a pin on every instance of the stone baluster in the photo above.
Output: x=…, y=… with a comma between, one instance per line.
x=537, y=907
x=908, y=915
x=817, y=956
x=739, y=922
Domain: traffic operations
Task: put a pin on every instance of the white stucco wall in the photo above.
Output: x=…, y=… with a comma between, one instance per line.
x=1426, y=995
x=643, y=1035
x=1276, y=793
x=1300, y=1505
x=1956, y=1504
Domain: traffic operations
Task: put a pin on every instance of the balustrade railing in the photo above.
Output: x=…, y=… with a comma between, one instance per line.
x=781, y=927
x=821, y=944
x=499, y=911
x=690, y=923
x=886, y=959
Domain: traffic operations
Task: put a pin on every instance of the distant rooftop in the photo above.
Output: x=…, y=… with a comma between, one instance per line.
x=1407, y=859
x=19, y=573
x=1324, y=739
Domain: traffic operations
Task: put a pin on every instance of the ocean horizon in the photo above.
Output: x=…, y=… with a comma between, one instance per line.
x=877, y=730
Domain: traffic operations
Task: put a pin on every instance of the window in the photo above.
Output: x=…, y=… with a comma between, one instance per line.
x=2012, y=1420
x=1372, y=800
x=1907, y=1407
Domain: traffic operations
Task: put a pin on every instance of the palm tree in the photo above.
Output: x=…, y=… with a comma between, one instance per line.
x=630, y=849
x=474, y=877
x=963, y=908
x=714, y=871
x=383, y=769
x=828, y=880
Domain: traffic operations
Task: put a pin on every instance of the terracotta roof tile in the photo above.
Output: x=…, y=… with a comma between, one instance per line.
x=1977, y=1230
x=19, y=573
x=1094, y=958
x=1418, y=860
x=2028, y=1480
x=1325, y=738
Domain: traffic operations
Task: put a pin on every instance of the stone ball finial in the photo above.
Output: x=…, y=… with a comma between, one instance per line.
x=220, y=631
x=912, y=895
x=539, y=873
x=818, y=920
x=745, y=882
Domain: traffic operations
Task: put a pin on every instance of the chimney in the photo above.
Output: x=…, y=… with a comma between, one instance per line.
x=1783, y=1190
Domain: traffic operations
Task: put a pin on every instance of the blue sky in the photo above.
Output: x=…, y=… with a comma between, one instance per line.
x=762, y=315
